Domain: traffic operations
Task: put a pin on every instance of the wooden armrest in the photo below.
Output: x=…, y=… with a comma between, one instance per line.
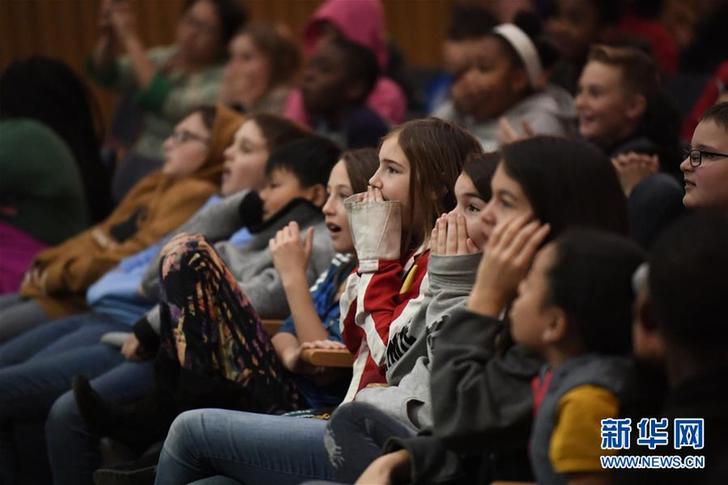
x=328, y=357
x=272, y=326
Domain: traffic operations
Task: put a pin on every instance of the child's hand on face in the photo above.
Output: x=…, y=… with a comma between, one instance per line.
x=510, y=252
x=632, y=168
x=290, y=254
x=507, y=134
x=373, y=194
x=449, y=237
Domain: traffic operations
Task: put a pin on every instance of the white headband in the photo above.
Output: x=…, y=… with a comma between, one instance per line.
x=525, y=49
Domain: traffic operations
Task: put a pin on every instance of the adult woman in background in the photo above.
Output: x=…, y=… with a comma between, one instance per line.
x=167, y=81
x=56, y=283
x=258, y=76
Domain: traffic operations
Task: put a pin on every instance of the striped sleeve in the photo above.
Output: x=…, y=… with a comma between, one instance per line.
x=370, y=305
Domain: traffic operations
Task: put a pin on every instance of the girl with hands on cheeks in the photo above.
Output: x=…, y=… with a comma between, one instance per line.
x=464, y=230
x=450, y=237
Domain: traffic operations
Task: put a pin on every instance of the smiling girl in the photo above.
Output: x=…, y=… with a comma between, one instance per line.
x=502, y=94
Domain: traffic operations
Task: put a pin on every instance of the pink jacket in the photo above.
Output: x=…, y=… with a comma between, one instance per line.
x=360, y=21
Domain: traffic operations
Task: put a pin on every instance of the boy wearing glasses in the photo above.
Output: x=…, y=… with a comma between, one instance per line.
x=705, y=167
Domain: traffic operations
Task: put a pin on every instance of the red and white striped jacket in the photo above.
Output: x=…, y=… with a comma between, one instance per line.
x=375, y=305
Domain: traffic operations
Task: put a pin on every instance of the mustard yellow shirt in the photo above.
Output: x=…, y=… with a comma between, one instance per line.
x=576, y=440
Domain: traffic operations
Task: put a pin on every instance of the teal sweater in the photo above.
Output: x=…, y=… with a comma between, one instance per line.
x=41, y=192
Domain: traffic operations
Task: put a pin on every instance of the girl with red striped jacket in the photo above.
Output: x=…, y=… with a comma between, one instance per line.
x=414, y=184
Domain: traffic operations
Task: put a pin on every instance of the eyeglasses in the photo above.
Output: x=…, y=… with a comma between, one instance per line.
x=183, y=136
x=696, y=156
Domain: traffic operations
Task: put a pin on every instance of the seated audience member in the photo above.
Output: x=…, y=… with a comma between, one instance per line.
x=259, y=73
x=361, y=22
x=335, y=84
x=41, y=196
x=37, y=366
x=166, y=82
x=469, y=355
x=260, y=373
x=404, y=405
x=29, y=89
x=224, y=217
x=623, y=111
x=583, y=332
x=502, y=94
x=573, y=27
x=116, y=300
x=705, y=167
x=56, y=282
x=468, y=24
x=685, y=328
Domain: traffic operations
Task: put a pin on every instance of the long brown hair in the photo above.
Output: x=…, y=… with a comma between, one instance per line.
x=436, y=151
x=360, y=166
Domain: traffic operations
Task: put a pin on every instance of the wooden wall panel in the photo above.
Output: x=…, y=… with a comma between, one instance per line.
x=66, y=29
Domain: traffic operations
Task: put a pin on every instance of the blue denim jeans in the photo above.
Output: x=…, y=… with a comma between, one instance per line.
x=18, y=315
x=248, y=447
x=37, y=367
x=357, y=434
x=73, y=449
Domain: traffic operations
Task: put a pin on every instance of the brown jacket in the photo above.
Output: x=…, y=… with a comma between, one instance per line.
x=67, y=270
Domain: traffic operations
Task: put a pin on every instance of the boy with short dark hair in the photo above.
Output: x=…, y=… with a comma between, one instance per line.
x=336, y=84
x=298, y=170
x=575, y=309
x=705, y=167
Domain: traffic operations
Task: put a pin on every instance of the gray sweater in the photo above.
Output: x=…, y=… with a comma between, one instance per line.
x=548, y=112
x=484, y=406
x=407, y=399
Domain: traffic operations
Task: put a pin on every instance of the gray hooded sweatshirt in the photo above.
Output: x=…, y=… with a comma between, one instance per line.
x=548, y=112
x=407, y=399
